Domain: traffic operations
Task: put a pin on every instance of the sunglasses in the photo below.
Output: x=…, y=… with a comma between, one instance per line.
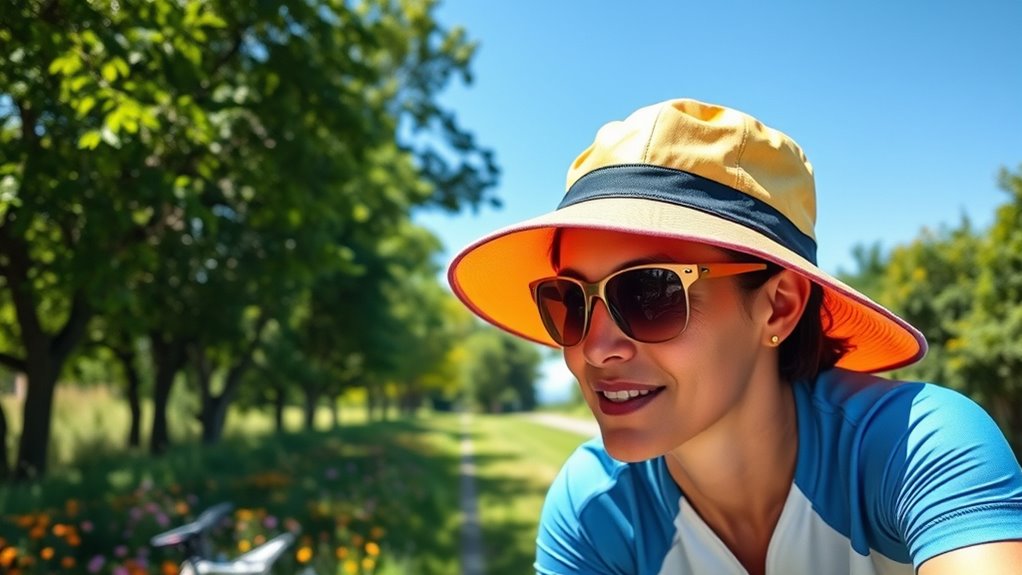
x=649, y=302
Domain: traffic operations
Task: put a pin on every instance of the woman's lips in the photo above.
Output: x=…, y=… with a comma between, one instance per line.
x=623, y=398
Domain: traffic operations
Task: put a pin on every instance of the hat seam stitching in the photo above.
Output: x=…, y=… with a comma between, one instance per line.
x=741, y=152
x=652, y=130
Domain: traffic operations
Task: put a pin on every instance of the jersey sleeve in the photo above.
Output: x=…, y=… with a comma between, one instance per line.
x=581, y=530
x=948, y=478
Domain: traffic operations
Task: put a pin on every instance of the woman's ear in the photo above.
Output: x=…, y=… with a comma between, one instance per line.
x=786, y=293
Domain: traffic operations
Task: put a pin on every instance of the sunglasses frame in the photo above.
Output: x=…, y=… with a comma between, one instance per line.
x=687, y=273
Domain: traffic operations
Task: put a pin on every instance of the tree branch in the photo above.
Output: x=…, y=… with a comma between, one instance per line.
x=74, y=329
x=15, y=363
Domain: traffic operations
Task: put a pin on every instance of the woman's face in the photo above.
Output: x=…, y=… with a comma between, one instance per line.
x=686, y=386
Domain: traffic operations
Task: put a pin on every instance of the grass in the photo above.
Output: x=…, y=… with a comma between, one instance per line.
x=371, y=497
x=515, y=462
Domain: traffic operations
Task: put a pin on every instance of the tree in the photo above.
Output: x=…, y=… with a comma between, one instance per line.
x=502, y=372
x=984, y=354
x=140, y=144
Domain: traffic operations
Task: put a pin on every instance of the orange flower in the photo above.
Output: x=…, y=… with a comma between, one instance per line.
x=67, y=562
x=376, y=532
x=72, y=507
x=244, y=545
x=304, y=554
x=46, y=553
x=357, y=540
x=372, y=549
x=341, y=552
x=73, y=539
x=168, y=567
x=59, y=529
x=7, y=556
x=181, y=508
x=37, y=532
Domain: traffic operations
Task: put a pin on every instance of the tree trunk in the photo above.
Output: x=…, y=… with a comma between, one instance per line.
x=311, y=398
x=278, y=409
x=5, y=461
x=214, y=414
x=134, y=400
x=35, y=432
x=335, y=413
x=168, y=357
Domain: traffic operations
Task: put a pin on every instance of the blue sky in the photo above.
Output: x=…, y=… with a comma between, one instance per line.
x=906, y=109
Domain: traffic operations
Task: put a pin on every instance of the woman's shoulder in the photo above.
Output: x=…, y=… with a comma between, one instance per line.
x=863, y=398
x=592, y=479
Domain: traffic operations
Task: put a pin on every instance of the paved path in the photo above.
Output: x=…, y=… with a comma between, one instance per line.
x=472, y=558
x=587, y=427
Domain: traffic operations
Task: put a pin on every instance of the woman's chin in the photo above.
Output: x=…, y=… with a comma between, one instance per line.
x=629, y=446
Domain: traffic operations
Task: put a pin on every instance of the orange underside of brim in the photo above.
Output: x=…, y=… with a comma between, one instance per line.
x=492, y=278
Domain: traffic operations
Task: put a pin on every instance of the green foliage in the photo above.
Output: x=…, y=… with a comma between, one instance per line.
x=963, y=289
x=213, y=174
x=501, y=370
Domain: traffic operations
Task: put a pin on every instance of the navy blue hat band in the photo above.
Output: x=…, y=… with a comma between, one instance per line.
x=690, y=190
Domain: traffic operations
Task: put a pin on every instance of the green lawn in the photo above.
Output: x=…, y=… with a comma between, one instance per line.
x=515, y=462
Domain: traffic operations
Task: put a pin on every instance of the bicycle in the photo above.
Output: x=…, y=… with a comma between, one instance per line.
x=193, y=539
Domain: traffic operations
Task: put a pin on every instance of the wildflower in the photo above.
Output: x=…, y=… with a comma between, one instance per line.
x=168, y=567
x=376, y=532
x=46, y=553
x=259, y=539
x=357, y=540
x=304, y=554
x=73, y=539
x=372, y=549
x=7, y=556
x=67, y=562
x=244, y=545
x=368, y=564
x=37, y=532
x=350, y=567
x=181, y=508
x=244, y=515
x=95, y=564
x=270, y=522
x=72, y=507
x=87, y=526
x=341, y=552
x=121, y=551
x=121, y=570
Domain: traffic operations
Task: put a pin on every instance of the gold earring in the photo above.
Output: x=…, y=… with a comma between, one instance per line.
x=774, y=340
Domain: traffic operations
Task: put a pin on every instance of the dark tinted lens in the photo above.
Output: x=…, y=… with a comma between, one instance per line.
x=649, y=304
x=562, y=305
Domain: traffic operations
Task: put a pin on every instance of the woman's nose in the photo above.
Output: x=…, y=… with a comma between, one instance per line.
x=605, y=343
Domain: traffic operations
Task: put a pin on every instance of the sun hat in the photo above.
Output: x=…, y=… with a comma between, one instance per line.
x=684, y=169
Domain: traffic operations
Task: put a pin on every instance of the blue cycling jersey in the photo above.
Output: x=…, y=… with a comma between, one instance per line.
x=888, y=475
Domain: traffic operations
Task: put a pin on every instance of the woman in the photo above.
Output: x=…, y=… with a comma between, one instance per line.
x=741, y=430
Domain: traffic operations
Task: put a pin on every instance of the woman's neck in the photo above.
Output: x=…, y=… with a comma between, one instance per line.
x=737, y=474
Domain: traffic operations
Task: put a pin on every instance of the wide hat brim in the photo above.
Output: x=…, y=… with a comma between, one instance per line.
x=492, y=275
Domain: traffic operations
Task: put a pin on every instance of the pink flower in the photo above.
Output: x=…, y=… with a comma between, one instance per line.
x=87, y=526
x=96, y=563
x=121, y=551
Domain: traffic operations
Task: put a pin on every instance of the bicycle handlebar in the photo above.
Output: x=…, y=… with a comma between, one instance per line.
x=184, y=534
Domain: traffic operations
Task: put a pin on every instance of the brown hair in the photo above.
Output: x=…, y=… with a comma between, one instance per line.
x=808, y=350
